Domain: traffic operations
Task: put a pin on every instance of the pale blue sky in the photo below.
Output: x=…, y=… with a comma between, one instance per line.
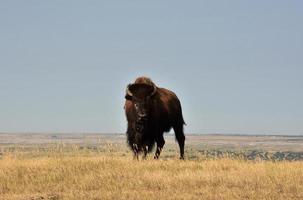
x=237, y=66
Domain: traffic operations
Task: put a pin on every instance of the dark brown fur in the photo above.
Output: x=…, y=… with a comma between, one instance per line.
x=163, y=112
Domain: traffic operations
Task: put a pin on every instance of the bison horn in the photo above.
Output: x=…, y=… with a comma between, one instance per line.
x=128, y=92
x=154, y=91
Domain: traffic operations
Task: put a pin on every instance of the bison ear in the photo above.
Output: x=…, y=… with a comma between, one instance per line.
x=128, y=95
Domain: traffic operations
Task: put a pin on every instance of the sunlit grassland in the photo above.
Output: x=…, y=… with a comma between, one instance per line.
x=73, y=173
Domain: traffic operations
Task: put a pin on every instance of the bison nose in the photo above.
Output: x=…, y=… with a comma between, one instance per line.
x=142, y=116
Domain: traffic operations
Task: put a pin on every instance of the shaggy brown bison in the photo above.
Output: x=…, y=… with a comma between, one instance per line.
x=151, y=111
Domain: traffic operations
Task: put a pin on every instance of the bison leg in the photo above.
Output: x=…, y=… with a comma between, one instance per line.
x=136, y=156
x=160, y=143
x=145, y=150
x=180, y=138
x=136, y=152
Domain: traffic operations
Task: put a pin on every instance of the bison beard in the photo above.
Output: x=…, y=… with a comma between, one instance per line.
x=151, y=111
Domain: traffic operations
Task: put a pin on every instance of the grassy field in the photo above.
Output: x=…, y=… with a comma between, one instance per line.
x=107, y=171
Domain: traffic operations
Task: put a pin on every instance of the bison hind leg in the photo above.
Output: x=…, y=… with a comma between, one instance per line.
x=178, y=129
x=160, y=143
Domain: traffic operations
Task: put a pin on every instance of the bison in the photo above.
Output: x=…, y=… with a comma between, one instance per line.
x=151, y=111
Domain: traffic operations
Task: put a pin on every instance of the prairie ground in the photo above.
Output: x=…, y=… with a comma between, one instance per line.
x=46, y=170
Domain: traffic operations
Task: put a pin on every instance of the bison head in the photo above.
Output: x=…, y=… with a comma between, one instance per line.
x=140, y=94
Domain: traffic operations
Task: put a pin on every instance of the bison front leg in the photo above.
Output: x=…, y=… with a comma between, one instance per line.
x=136, y=151
x=160, y=143
x=145, y=150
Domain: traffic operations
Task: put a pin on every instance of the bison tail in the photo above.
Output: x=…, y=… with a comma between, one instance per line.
x=184, y=123
x=181, y=120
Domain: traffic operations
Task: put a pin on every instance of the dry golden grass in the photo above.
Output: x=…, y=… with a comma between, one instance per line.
x=106, y=175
